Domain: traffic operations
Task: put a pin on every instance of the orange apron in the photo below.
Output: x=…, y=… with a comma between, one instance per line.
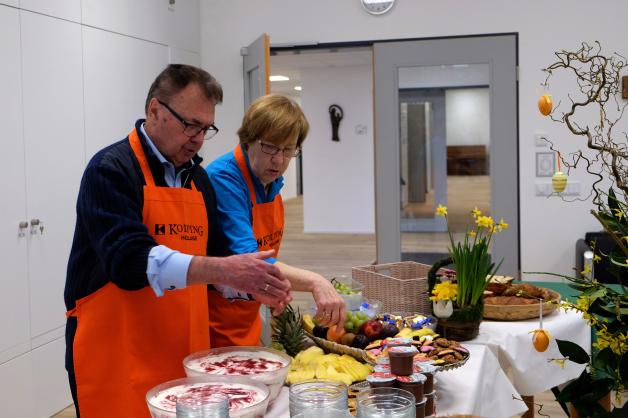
x=238, y=322
x=127, y=342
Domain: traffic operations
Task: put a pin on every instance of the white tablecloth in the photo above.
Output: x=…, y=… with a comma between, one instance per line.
x=480, y=388
x=532, y=372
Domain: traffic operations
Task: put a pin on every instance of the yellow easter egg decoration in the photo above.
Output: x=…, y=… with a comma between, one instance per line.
x=545, y=104
x=559, y=181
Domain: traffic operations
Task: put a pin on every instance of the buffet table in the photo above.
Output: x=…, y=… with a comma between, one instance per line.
x=533, y=372
x=480, y=388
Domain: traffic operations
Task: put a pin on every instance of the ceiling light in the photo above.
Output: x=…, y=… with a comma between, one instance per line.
x=279, y=78
x=298, y=88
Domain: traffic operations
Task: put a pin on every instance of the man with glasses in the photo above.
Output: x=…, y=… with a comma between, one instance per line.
x=143, y=253
x=250, y=213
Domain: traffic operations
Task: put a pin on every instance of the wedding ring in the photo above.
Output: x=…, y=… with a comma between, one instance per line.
x=266, y=287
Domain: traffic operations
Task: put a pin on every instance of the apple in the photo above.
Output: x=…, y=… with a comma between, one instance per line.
x=372, y=329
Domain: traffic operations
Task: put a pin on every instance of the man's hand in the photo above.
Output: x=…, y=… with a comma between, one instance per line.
x=331, y=306
x=247, y=273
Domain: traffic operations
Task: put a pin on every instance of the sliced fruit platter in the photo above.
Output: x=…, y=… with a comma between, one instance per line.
x=372, y=337
x=313, y=363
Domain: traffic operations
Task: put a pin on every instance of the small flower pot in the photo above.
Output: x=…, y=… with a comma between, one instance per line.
x=443, y=308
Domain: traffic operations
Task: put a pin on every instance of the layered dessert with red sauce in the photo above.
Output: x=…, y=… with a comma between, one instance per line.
x=245, y=401
x=241, y=364
x=261, y=364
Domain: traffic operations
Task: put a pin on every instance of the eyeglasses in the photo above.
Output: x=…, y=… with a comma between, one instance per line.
x=191, y=129
x=270, y=149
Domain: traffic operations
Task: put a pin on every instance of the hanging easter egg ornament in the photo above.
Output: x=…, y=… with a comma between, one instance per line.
x=559, y=181
x=545, y=104
x=540, y=337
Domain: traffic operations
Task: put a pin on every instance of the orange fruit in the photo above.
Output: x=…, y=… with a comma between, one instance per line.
x=334, y=335
x=545, y=104
x=540, y=339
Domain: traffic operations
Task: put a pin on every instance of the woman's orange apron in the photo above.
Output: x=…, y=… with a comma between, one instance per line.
x=238, y=322
x=130, y=341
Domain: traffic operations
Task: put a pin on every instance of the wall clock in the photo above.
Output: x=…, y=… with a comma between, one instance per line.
x=377, y=7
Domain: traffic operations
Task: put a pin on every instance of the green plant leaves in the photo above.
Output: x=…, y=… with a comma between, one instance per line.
x=573, y=351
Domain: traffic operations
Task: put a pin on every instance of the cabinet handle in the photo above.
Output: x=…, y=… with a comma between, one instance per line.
x=36, y=223
x=22, y=226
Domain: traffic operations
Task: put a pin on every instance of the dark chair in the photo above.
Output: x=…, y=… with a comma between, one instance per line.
x=603, y=271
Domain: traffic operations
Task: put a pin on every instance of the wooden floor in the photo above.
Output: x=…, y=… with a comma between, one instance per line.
x=335, y=254
x=464, y=193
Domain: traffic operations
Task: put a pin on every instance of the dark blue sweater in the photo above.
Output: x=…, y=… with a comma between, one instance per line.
x=110, y=241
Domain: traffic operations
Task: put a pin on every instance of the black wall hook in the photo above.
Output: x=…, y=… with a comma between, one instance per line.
x=335, y=114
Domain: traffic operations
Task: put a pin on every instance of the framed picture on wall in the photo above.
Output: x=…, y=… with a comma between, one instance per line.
x=545, y=164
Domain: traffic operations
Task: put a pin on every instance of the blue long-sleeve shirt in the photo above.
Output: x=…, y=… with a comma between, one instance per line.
x=234, y=203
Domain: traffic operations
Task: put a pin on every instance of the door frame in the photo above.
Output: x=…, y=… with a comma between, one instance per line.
x=394, y=242
x=500, y=52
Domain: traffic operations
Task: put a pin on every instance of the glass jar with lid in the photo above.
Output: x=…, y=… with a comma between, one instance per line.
x=317, y=394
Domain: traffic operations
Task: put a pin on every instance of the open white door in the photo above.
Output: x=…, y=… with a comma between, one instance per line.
x=256, y=69
x=256, y=77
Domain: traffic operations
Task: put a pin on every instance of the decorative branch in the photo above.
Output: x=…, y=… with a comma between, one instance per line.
x=599, y=81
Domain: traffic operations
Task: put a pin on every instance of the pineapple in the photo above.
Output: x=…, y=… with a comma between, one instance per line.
x=288, y=331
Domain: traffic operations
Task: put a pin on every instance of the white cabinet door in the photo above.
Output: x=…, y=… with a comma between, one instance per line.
x=181, y=56
x=65, y=9
x=14, y=312
x=118, y=72
x=17, y=396
x=111, y=15
x=55, y=158
x=50, y=379
x=184, y=25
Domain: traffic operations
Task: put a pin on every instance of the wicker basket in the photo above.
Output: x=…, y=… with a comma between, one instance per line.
x=519, y=312
x=400, y=287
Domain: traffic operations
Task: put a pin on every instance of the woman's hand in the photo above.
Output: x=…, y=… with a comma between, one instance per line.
x=330, y=305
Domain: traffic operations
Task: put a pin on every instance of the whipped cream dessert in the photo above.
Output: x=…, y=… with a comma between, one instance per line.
x=240, y=363
x=240, y=396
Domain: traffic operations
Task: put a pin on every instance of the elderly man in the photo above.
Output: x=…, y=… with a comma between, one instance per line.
x=144, y=251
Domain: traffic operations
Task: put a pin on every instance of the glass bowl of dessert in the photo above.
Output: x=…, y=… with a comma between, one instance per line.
x=247, y=398
x=260, y=364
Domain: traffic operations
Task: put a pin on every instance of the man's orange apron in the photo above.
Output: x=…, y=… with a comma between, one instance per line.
x=238, y=322
x=130, y=341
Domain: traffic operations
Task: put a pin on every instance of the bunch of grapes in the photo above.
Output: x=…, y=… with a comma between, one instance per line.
x=342, y=288
x=354, y=320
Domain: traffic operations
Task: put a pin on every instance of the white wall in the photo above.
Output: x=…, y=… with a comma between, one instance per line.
x=338, y=176
x=467, y=116
x=543, y=28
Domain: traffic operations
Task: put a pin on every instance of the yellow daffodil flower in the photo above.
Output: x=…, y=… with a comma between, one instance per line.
x=503, y=224
x=445, y=291
x=485, y=222
x=476, y=212
x=472, y=233
x=441, y=210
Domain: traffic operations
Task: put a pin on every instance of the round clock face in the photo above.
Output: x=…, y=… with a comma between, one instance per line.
x=377, y=7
